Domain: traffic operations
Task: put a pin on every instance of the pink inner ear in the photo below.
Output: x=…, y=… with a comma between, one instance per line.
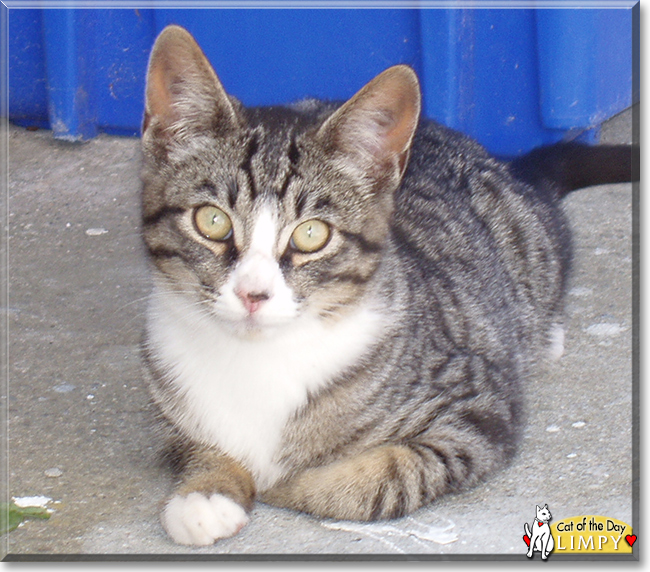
x=403, y=116
x=183, y=91
x=158, y=96
x=380, y=120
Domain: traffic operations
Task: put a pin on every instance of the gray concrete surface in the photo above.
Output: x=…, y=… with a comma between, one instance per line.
x=78, y=284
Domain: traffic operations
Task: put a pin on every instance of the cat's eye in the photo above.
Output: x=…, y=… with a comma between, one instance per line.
x=310, y=236
x=213, y=223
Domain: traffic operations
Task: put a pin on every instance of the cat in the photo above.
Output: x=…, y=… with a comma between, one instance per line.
x=347, y=298
x=540, y=538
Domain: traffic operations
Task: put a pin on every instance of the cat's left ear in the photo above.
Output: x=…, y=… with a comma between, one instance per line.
x=375, y=128
x=183, y=94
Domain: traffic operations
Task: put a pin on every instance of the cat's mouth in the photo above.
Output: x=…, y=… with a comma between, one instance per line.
x=252, y=322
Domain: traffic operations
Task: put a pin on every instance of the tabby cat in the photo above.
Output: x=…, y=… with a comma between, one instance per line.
x=347, y=298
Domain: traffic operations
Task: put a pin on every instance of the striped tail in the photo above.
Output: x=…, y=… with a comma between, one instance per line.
x=566, y=167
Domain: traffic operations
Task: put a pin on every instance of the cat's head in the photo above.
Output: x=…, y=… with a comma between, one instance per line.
x=265, y=215
x=543, y=513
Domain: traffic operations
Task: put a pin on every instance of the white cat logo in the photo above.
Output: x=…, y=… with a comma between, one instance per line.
x=540, y=538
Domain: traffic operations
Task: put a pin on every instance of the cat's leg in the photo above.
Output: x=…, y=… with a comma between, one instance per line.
x=212, y=501
x=384, y=482
x=531, y=546
x=547, y=545
x=387, y=481
x=551, y=543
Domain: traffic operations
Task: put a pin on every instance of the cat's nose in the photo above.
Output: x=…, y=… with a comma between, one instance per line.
x=252, y=300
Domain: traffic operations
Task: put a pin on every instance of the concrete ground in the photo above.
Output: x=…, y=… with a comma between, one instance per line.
x=80, y=428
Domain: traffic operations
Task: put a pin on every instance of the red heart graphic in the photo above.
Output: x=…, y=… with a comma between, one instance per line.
x=527, y=539
x=540, y=523
x=631, y=539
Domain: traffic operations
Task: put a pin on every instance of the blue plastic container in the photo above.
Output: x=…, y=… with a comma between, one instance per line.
x=511, y=78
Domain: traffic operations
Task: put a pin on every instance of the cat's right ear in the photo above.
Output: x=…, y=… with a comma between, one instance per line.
x=183, y=94
x=375, y=128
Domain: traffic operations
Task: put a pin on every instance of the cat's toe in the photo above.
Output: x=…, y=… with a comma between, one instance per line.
x=197, y=520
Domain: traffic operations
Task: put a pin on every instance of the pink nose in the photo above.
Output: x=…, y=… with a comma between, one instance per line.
x=252, y=300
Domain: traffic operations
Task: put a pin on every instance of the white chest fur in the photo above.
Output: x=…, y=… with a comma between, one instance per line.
x=238, y=393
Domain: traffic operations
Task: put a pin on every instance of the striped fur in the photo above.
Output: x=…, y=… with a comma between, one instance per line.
x=367, y=378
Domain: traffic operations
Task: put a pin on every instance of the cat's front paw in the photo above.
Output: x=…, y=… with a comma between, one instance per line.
x=197, y=520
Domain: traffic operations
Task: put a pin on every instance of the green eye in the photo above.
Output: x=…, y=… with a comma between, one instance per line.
x=310, y=236
x=213, y=223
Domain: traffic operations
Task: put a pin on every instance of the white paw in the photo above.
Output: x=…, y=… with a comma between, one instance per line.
x=198, y=520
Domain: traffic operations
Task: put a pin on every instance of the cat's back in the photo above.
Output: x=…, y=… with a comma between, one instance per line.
x=492, y=248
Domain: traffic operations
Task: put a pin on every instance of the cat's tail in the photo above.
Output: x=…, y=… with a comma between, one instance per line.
x=566, y=167
x=527, y=530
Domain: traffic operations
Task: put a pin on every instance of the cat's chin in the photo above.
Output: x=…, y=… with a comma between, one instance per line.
x=255, y=327
x=254, y=331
